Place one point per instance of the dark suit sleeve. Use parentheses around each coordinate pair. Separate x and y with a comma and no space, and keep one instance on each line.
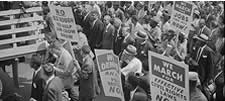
(52,95)
(211,64)
(100,33)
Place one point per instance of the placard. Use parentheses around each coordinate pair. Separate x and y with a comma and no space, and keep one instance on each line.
(64,23)
(181,16)
(168,79)
(110,74)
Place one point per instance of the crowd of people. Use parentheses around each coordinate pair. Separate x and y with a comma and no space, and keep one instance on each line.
(130,29)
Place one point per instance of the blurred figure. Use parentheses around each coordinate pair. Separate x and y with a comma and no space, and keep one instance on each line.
(96,31)
(54,85)
(133,63)
(88,77)
(118,36)
(107,41)
(202,54)
(65,68)
(38,83)
(8,91)
(195,92)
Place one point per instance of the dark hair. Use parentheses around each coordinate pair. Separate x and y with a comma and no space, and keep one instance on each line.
(134,17)
(181,38)
(109,4)
(48,69)
(122,3)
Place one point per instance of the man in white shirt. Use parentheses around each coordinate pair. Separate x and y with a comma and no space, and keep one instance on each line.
(65,68)
(133,63)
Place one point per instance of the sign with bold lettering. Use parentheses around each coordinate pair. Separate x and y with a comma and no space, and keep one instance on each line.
(109,69)
(64,23)
(182,16)
(168,79)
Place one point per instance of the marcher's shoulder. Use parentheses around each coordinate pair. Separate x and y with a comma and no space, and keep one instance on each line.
(136,60)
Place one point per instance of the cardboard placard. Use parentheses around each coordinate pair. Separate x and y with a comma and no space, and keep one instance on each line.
(109,69)
(181,16)
(168,79)
(63,23)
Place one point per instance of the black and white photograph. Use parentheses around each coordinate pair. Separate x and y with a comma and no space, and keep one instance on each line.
(112,50)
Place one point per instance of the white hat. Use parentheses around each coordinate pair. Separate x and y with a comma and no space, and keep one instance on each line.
(201,37)
(193,76)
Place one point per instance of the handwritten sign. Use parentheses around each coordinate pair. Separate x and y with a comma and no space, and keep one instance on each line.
(182,16)
(64,23)
(169,79)
(109,69)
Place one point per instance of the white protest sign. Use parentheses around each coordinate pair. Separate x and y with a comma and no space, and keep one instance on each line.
(168,79)
(64,23)
(109,69)
(181,16)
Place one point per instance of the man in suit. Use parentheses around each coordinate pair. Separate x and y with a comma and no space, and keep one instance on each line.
(37,82)
(118,37)
(85,23)
(202,54)
(88,77)
(107,41)
(96,31)
(54,85)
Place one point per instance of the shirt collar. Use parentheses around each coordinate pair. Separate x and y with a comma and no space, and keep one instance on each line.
(49,79)
(107,26)
(94,22)
(85,57)
(86,15)
(36,71)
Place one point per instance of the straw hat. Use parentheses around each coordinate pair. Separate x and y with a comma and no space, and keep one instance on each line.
(141,35)
(131,50)
(193,76)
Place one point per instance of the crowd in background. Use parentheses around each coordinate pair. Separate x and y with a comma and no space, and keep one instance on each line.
(130,29)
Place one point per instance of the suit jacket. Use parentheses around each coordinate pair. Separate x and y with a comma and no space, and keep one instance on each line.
(37,87)
(85,24)
(95,34)
(53,90)
(107,41)
(118,40)
(206,65)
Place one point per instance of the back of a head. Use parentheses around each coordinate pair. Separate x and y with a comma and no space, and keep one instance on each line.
(35,61)
(86,49)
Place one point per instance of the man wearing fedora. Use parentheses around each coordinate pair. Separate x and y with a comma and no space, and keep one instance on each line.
(133,63)
(202,54)
(195,93)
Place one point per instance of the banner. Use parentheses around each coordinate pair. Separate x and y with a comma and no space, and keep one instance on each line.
(64,23)
(109,70)
(168,79)
(181,17)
